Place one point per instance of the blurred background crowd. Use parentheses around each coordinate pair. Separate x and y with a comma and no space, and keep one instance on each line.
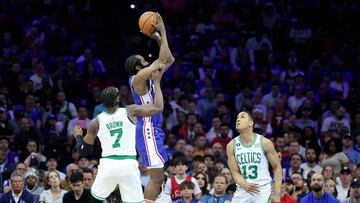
(293,64)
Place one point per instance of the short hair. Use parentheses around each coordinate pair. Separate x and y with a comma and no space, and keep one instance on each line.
(108,96)
(187,185)
(221,175)
(181,160)
(76,177)
(131,63)
(87,170)
(249,113)
(16,174)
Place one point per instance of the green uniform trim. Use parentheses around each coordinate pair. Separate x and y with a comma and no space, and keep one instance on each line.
(250,145)
(120,157)
(97,197)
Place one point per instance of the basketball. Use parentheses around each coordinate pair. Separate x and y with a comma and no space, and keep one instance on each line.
(147,21)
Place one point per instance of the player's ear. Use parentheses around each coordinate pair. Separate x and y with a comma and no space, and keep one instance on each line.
(251,123)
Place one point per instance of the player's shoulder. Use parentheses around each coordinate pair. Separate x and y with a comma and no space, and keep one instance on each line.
(267,143)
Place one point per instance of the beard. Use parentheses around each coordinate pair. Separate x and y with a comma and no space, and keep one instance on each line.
(310,161)
(317,188)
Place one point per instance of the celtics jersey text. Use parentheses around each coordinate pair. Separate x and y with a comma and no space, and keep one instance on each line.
(116,134)
(252,160)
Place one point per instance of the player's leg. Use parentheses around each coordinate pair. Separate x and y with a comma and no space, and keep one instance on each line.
(130,183)
(153,188)
(106,179)
(150,147)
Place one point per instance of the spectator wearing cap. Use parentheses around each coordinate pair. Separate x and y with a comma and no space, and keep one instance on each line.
(260,121)
(347,143)
(83,162)
(32,183)
(311,162)
(354,151)
(51,165)
(305,119)
(17,192)
(343,185)
(354,194)
(318,195)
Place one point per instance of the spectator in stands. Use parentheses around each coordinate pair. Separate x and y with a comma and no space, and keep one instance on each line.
(300,187)
(88,178)
(311,162)
(202,181)
(328,173)
(219,195)
(330,187)
(17,192)
(66,107)
(295,166)
(354,194)
(7,126)
(354,151)
(54,193)
(223,138)
(318,194)
(27,132)
(334,156)
(336,123)
(51,165)
(172,187)
(20,168)
(70,169)
(343,185)
(187,192)
(77,193)
(32,184)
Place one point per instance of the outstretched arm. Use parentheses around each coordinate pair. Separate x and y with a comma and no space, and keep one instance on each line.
(274,160)
(251,188)
(85,144)
(164,61)
(147,110)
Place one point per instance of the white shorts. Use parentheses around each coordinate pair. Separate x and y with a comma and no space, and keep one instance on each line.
(124,173)
(241,196)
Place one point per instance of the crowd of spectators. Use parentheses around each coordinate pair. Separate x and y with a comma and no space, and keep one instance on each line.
(293,64)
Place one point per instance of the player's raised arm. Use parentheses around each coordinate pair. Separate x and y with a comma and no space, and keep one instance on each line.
(252,188)
(85,144)
(146,110)
(273,158)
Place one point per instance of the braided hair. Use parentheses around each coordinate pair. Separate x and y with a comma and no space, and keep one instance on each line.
(131,63)
(108,96)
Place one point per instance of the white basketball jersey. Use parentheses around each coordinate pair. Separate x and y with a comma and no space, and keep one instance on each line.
(116,134)
(252,161)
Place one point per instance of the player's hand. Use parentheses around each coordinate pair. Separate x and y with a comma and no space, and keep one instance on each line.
(160,26)
(155,35)
(251,188)
(77,131)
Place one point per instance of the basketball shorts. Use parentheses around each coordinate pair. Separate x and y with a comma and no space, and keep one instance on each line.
(241,196)
(150,145)
(124,173)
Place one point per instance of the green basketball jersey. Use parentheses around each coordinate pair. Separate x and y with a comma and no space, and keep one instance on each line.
(252,161)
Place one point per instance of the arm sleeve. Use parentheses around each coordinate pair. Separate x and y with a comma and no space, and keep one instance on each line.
(197,189)
(167,189)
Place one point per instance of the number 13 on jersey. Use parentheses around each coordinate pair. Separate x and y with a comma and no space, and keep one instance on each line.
(116,133)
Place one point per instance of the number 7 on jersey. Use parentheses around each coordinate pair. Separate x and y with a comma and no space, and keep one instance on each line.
(118,133)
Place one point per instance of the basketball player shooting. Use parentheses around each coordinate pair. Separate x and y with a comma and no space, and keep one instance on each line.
(149,135)
(249,155)
(116,130)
